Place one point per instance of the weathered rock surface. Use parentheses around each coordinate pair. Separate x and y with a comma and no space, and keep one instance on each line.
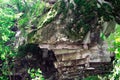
(73,61)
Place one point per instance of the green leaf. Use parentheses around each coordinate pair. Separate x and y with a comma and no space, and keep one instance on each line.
(118,56)
(32,70)
(3,56)
(17,16)
(33,75)
(102,36)
(5,38)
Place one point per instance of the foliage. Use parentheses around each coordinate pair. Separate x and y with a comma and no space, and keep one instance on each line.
(7,17)
(90,16)
(116,9)
(114,47)
(7,20)
(31,10)
(114,41)
(35,74)
(32,13)
(10,12)
(85,16)
(3,78)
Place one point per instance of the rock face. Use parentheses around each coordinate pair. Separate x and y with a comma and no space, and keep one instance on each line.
(72,31)
(73,61)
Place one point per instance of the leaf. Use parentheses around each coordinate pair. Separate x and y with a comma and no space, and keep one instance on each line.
(118,56)
(3,56)
(32,75)
(102,36)
(17,16)
(117,39)
(5,38)
(111,49)
(33,70)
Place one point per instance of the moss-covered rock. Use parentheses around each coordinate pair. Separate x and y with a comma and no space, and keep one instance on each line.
(68,20)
